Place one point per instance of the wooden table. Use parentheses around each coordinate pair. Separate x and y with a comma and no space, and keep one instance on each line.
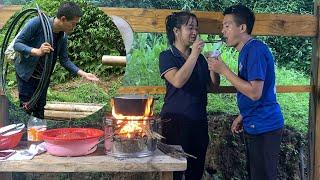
(96,162)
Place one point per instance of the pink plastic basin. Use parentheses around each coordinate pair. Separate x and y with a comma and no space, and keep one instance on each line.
(71,141)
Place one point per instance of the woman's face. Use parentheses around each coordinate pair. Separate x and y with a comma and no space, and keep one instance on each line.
(188,33)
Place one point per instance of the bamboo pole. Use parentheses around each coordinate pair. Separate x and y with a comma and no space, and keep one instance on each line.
(65,115)
(114,60)
(75,107)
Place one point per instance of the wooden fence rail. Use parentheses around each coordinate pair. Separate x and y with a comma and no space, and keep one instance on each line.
(153,20)
(221,89)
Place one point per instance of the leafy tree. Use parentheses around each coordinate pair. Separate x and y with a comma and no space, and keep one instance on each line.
(95,35)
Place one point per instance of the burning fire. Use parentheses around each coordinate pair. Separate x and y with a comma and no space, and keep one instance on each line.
(131,125)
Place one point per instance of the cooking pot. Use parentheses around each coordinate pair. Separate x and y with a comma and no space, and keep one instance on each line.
(133,105)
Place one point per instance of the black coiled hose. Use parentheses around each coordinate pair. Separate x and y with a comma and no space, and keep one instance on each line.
(48,37)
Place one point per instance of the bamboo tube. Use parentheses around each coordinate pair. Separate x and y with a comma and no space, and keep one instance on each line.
(74,107)
(65,115)
(114,60)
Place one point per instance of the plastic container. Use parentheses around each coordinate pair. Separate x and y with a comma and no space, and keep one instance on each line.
(35,127)
(12,138)
(216,52)
(9,142)
(71,141)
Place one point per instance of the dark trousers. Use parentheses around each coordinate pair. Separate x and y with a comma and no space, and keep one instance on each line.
(263,155)
(26,90)
(193,137)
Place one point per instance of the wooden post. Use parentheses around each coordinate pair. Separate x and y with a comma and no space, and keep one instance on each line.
(6,176)
(314,124)
(4,109)
(166,175)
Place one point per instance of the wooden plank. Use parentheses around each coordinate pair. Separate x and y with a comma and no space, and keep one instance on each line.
(285,25)
(142,90)
(222,89)
(314,128)
(294,89)
(96,162)
(153,20)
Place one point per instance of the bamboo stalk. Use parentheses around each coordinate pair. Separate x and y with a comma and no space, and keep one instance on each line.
(114,60)
(75,107)
(65,115)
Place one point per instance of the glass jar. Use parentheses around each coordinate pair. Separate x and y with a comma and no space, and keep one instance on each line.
(35,127)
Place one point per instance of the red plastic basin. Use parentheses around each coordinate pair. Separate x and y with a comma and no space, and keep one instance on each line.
(71,141)
(11,138)
(11,141)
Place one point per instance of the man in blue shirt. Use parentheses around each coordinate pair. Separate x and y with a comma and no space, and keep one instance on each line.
(30,63)
(260,113)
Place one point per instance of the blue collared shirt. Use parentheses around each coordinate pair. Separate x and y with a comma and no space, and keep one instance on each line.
(257,63)
(32,36)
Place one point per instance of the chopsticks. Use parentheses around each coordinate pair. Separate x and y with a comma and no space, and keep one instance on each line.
(13,128)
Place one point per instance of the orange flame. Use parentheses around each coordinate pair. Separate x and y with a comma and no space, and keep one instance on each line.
(134,123)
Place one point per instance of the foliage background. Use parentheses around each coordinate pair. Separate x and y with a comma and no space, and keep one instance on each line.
(291,52)
(94,36)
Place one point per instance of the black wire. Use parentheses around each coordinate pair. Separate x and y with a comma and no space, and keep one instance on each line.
(17,31)
(22,23)
(6,41)
(45,76)
(48,37)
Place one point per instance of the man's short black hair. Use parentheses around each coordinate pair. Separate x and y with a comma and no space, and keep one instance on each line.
(70,10)
(242,15)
